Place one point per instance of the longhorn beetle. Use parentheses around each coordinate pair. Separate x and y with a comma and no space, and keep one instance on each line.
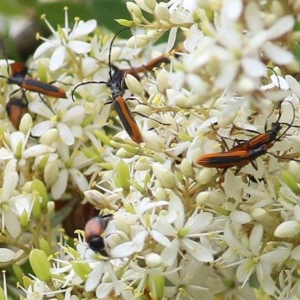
(118,102)
(246,151)
(18,77)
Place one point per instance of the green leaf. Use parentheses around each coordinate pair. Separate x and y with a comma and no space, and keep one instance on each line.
(296,50)
(55,13)
(106,11)
(12,7)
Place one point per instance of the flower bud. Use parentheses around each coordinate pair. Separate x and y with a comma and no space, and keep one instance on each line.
(205,175)
(157,286)
(122,178)
(288,229)
(137,41)
(82,269)
(163,79)
(150,3)
(39,188)
(134,85)
(51,172)
(134,10)
(162,13)
(203,198)
(294,169)
(160,193)
(164,175)
(122,153)
(24,219)
(49,137)
(26,123)
(102,137)
(44,245)
(36,207)
(40,264)
(153,260)
(153,141)
(186,168)
(290,181)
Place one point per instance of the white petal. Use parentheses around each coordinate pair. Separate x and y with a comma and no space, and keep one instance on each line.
(253,67)
(197,250)
(80,47)
(57,58)
(43,48)
(230,238)
(41,128)
(94,277)
(198,222)
(10,182)
(139,241)
(169,254)
(104,289)
(280,82)
(65,134)
(252,16)
(6,154)
(266,281)
(83,28)
(243,271)
(281,27)
(123,250)
(171,39)
(227,75)
(255,238)
(276,256)
(37,150)
(12,224)
(277,54)
(79,179)
(75,114)
(160,238)
(22,203)
(11,166)
(16,138)
(163,226)
(60,185)
(232,9)
(296,253)
(176,207)
(40,108)
(6,255)
(293,84)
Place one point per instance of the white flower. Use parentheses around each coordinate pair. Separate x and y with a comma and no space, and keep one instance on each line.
(69,166)
(233,53)
(65,40)
(252,257)
(8,211)
(188,282)
(185,235)
(66,120)
(142,227)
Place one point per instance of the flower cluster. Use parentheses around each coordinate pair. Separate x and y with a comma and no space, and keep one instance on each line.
(178,230)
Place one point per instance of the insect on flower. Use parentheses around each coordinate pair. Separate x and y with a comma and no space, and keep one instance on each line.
(247,151)
(18,77)
(119,74)
(94,229)
(118,102)
(16,108)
